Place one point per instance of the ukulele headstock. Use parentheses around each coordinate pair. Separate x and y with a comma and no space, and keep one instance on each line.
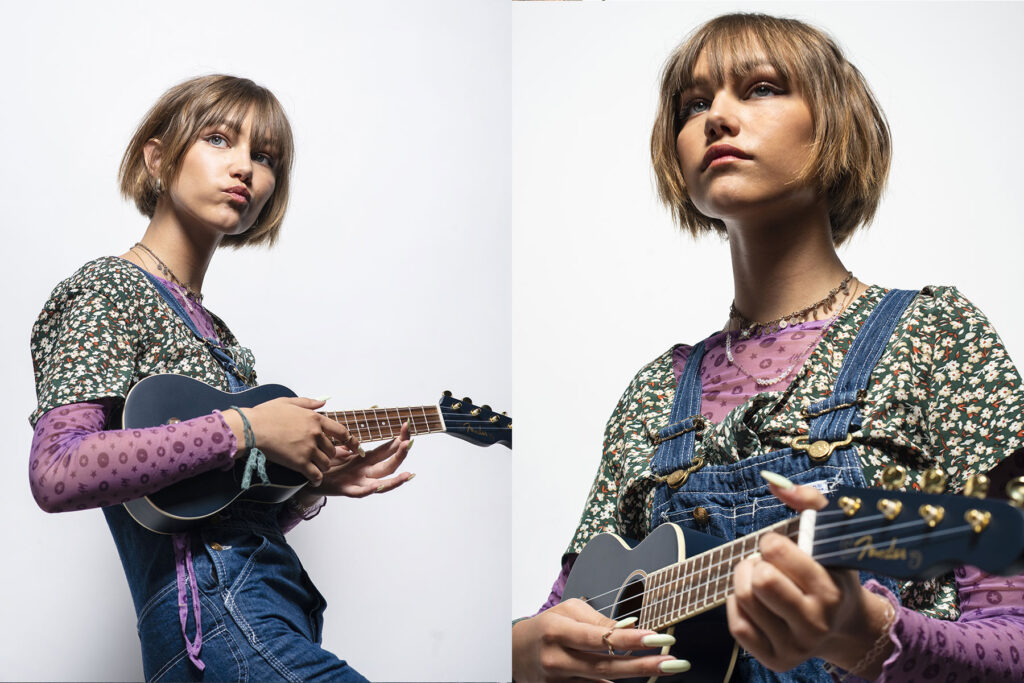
(477,424)
(910,535)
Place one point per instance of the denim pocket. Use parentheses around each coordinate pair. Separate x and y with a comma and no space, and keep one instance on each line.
(233,555)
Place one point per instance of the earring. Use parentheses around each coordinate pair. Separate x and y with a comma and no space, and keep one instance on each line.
(159,186)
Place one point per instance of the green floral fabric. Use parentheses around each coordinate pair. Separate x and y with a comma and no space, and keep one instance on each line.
(106,327)
(945,393)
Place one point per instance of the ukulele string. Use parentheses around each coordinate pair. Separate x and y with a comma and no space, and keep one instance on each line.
(691,588)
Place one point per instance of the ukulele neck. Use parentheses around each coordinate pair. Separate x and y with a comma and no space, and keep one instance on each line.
(381,424)
(697,584)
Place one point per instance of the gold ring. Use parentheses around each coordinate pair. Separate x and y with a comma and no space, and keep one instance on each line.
(607,642)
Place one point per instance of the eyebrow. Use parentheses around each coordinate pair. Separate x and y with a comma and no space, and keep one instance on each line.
(740,69)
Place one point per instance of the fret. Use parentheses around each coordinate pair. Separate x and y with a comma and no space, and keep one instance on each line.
(677,593)
(369,426)
(658,608)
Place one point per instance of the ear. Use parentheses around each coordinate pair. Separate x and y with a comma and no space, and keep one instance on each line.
(151,151)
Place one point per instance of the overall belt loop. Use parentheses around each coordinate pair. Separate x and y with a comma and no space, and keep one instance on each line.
(832,419)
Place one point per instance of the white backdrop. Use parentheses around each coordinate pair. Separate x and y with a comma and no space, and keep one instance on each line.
(390,284)
(603,283)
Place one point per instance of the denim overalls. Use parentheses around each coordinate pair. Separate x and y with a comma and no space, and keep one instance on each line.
(733,500)
(260,616)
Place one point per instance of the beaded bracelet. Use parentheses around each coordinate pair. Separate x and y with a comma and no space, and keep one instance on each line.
(256,460)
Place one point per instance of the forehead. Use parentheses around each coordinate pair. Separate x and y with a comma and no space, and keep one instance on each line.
(732,55)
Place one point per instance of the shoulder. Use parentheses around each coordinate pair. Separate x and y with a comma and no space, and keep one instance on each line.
(114,279)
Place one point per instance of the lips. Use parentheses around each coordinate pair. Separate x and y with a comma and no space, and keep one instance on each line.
(240,193)
(720,151)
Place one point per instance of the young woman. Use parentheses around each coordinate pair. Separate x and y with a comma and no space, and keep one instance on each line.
(209,166)
(767,134)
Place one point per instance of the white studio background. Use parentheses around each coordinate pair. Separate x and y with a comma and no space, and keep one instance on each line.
(389,285)
(603,282)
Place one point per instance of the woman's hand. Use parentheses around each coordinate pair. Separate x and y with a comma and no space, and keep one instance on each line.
(567,642)
(291,434)
(786,608)
(356,475)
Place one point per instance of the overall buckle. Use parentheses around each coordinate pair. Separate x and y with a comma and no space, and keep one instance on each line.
(679,477)
(819,451)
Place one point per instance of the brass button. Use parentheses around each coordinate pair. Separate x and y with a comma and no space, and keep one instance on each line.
(701,516)
(217,546)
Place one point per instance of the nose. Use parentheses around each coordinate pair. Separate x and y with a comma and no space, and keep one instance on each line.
(241,164)
(721,118)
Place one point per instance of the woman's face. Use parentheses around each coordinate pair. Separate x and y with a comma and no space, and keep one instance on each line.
(223,182)
(744,142)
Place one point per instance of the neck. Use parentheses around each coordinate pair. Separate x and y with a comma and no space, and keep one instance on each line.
(781,264)
(187,250)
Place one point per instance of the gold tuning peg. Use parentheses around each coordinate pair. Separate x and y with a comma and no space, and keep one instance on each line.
(1015,490)
(447,393)
(977,486)
(894,477)
(933,480)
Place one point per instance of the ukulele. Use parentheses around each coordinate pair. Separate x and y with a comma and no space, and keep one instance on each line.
(166,399)
(677,580)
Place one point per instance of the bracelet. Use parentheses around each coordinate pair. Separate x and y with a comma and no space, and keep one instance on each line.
(874,650)
(256,461)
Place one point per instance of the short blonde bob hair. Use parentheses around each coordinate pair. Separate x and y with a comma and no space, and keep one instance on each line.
(851,150)
(178,119)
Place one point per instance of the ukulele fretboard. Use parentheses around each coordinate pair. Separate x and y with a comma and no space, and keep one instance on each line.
(380,424)
(695,585)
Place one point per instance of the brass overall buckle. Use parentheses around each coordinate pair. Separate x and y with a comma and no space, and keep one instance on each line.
(679,477)
(819,451)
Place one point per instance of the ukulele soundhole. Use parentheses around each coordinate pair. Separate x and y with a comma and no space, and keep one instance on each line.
(630,598)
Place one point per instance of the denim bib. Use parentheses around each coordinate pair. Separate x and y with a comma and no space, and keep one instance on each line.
(734,500)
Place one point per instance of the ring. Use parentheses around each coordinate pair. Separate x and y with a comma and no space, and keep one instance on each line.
(607,642)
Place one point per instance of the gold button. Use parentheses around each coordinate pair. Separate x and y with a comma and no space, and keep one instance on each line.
(701,516)
(217,546)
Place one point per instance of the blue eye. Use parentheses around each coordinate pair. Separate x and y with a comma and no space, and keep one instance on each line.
(696,106)
(217,140)
(763,90)
(265,159)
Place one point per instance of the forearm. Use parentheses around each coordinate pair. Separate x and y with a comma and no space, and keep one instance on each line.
(982,642)
(75,464)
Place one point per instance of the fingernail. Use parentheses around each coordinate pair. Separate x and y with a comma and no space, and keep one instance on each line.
(659,640)
(411,477)
(674,666)
(409,447)
(756,555)
(777,479)
(626,623)
(361,452)
(380,488)
(325,399)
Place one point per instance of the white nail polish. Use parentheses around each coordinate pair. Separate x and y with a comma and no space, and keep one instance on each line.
(658,640)
(777,479)
(674,666)
(626,623)
(325,399)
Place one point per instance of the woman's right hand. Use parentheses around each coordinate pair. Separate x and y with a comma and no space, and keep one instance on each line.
(292,434)
(566,642)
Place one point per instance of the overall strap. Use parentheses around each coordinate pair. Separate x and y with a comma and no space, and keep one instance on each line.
(676,441)
(833,417)
(235,383)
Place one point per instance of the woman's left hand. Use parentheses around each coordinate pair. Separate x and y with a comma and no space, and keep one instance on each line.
(786,608)
(355,475)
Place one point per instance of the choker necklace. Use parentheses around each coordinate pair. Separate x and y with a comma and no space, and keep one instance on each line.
(783,323)
(750,328)
(169,275)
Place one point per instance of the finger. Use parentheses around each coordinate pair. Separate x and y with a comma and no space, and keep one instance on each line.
(755,623)
(392,483)
(797,497)
(591,665)
(339,432)
(303,402)
(584,628)
(321,457)
(746,632)
(807,577)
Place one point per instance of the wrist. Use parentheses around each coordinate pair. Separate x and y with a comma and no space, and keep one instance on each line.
(863,651)
(233,421)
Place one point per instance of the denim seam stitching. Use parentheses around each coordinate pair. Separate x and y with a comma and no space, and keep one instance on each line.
(170,663)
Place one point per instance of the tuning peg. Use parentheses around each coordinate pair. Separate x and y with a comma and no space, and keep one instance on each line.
(931,514)
(894,477)
(849,505)
(486,408)
(467,399)
(890,509)
(446,393)
(933,480)
(978,519)
(475,412)
(977,486)
(1015,490)
(504,413)
(493,419)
